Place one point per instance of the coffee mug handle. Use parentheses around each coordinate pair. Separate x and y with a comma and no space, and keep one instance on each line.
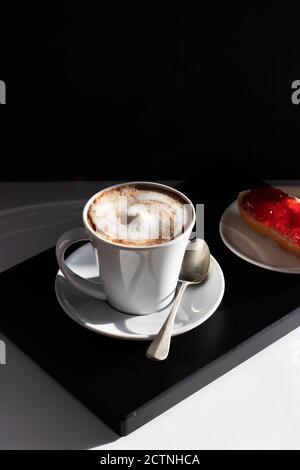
(87,286)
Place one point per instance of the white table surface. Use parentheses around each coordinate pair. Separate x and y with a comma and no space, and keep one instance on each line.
(254,406)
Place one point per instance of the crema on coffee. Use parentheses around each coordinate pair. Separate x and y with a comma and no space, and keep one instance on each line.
(139,215)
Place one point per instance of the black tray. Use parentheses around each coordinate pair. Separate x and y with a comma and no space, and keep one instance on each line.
(113,377)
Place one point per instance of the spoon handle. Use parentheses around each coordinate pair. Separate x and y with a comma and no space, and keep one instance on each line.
(159,348)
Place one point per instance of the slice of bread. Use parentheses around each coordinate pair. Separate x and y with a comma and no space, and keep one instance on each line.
(283,241)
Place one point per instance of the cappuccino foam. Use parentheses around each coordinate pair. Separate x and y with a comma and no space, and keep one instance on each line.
(139,215)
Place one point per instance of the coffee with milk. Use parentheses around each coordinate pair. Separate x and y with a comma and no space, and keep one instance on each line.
(139,215)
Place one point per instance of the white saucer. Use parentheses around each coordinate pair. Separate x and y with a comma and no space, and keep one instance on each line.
(197,305)
(254,247)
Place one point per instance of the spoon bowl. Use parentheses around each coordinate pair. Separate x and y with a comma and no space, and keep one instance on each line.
(196,261)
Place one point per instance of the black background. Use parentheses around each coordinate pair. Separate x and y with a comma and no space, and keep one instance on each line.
(149,92)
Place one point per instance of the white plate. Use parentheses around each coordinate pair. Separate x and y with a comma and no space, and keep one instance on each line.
(254,247)
(197,305)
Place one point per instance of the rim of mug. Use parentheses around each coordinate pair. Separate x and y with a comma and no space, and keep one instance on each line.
(137,247)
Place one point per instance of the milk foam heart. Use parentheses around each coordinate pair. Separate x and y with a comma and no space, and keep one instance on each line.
(139,215)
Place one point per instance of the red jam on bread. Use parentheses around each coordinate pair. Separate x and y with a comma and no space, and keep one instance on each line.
(276,210)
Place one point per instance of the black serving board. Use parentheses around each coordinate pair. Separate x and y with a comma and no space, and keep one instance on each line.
(113,377)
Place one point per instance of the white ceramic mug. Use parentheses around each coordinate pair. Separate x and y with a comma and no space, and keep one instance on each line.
(134,279)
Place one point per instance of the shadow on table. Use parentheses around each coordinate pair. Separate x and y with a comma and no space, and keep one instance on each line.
(37,413)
